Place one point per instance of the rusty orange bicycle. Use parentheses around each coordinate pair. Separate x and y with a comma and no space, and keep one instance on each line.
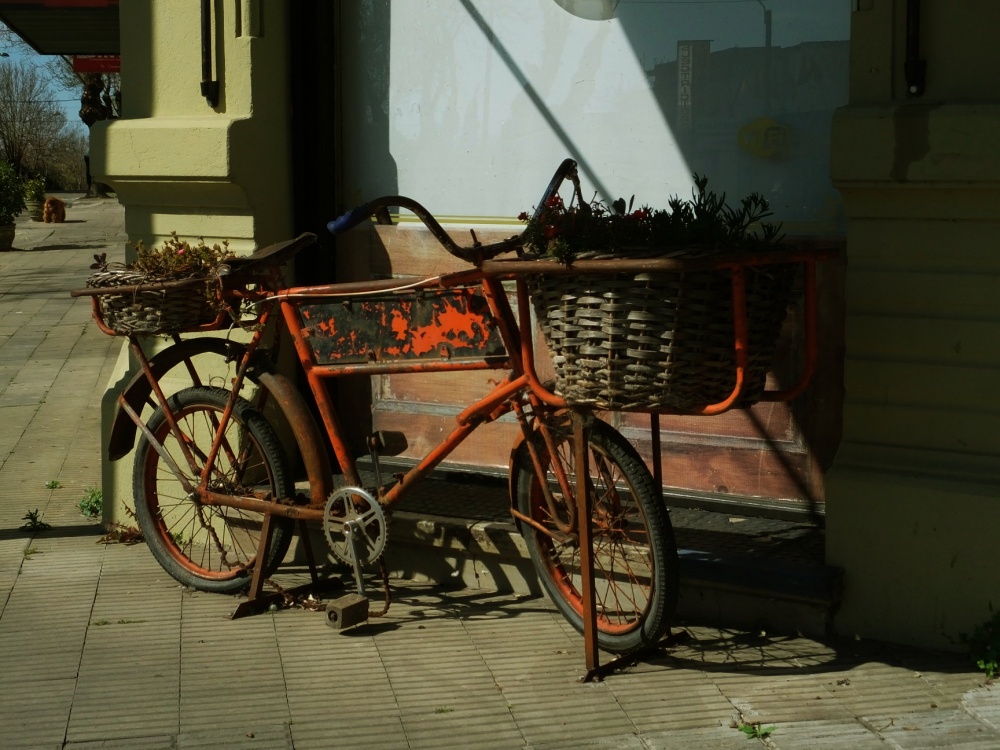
(214,490)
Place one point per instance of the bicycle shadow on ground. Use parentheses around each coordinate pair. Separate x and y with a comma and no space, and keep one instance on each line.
(414,604)
(758,653)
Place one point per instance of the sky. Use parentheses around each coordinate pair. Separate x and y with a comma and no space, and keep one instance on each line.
(67,100)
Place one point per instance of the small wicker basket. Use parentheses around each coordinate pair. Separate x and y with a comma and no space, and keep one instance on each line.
(171,306)
(659,341)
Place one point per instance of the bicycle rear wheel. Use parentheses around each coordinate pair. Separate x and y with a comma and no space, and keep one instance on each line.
(210,548)
(635,557)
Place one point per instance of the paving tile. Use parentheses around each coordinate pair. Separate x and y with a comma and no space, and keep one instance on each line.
(928,730)
(984,705)
(35,714)
(677,704)
(847,734)
(353,731)
(708,738)
(254,735)
(889,689)
(630,741)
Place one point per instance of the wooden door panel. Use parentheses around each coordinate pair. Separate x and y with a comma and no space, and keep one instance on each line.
(487,448)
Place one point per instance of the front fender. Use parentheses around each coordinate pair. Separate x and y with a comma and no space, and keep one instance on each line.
(139,389)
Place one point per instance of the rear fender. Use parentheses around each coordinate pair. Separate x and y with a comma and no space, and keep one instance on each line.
(512,473)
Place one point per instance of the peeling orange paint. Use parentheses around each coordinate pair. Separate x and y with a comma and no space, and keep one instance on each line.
(400,325)
(450,324)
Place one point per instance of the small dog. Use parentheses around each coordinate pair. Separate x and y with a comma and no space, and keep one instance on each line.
(53,211)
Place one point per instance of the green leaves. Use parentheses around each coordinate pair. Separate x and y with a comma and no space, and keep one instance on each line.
(705,220)
(11,194)
(754,730)
(92,503)
(178,259)
(34,189)
(984,646)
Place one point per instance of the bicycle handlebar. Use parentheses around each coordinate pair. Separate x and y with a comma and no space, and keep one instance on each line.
(475,254)
(349,220)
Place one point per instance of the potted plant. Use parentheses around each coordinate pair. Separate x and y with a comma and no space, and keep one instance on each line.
(166,289)
(11,203)
(34,197)
(655,340)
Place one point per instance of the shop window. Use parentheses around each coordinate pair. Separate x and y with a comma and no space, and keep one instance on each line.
(468,105)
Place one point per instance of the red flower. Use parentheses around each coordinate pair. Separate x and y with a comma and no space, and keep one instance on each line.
(523,216)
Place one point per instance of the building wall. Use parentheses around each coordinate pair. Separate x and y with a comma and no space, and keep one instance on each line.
(913,500)
(179,164)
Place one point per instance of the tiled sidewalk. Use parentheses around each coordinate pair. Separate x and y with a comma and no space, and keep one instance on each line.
(100,648)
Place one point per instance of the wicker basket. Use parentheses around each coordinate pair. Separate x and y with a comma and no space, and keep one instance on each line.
(658,341)
(174,307)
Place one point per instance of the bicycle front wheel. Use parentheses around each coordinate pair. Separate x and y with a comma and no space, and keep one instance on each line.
(635,557)
(210,548)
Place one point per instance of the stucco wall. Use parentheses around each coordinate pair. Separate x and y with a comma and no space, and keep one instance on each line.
(913,501)
(179,164)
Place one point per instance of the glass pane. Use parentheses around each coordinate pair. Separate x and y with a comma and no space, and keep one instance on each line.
(469,105)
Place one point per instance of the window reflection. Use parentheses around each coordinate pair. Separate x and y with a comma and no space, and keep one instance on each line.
(468,105)
(749,88)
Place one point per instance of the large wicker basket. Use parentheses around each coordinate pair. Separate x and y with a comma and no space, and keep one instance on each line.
(157,306)
(658,341)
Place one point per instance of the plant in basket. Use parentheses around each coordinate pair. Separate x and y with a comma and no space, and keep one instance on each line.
(705,223)
(166,289)
(663,340)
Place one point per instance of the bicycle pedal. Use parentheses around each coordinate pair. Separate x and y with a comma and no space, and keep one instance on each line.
(347,611)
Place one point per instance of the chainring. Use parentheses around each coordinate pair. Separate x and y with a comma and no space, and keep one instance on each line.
(355,526)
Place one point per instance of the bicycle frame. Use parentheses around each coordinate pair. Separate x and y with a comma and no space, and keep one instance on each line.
(521,387)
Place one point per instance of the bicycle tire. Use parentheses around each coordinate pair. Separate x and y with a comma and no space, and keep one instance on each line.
(635,556)
(211,548)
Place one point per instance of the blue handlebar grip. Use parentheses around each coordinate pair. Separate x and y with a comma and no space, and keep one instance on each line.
(349,220)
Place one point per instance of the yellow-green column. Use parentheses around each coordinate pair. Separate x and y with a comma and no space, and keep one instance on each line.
(913,499)
(220,172)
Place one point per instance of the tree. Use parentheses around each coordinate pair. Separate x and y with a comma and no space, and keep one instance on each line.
(64,162)
(100,99)
(35,135)
(100,93)
(30,122)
